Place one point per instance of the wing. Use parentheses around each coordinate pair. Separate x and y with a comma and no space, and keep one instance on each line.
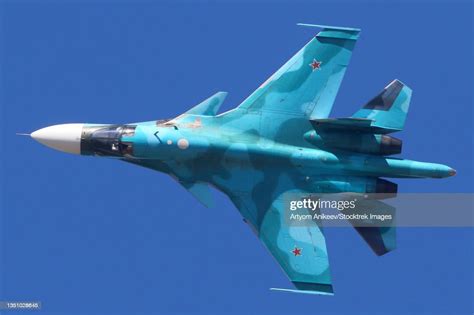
(307,84)
(299,250)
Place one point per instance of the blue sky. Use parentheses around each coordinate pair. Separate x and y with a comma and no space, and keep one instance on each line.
(95,236)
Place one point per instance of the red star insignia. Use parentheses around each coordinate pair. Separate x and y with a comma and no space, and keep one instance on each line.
(315,65)
(296,251)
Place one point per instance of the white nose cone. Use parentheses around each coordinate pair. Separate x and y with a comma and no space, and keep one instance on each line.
(66,137)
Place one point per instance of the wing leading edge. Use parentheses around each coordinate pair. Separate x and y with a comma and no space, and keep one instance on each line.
(300,250)
(307,84)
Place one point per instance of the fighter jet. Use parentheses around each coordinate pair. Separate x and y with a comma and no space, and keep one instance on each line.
(279,140)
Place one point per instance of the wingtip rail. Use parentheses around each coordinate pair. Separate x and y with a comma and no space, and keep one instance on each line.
(328,27)
(338,32)
(302,291)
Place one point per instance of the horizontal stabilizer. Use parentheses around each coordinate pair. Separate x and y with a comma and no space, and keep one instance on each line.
(389,108)
(210,106)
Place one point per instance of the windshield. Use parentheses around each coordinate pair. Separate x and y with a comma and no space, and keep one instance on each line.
(107,140)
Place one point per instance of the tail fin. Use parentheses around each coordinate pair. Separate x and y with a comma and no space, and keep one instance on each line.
(389,108)
(380,239)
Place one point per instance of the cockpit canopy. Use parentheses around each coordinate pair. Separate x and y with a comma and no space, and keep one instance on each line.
(110,140)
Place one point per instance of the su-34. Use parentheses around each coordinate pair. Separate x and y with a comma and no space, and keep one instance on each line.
(279,140)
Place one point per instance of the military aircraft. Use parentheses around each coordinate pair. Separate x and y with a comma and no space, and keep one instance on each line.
(278,140)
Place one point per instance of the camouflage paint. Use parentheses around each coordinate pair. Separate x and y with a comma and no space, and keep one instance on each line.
(263,149)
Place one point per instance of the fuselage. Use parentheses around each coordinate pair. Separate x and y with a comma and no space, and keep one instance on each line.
(208,149)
